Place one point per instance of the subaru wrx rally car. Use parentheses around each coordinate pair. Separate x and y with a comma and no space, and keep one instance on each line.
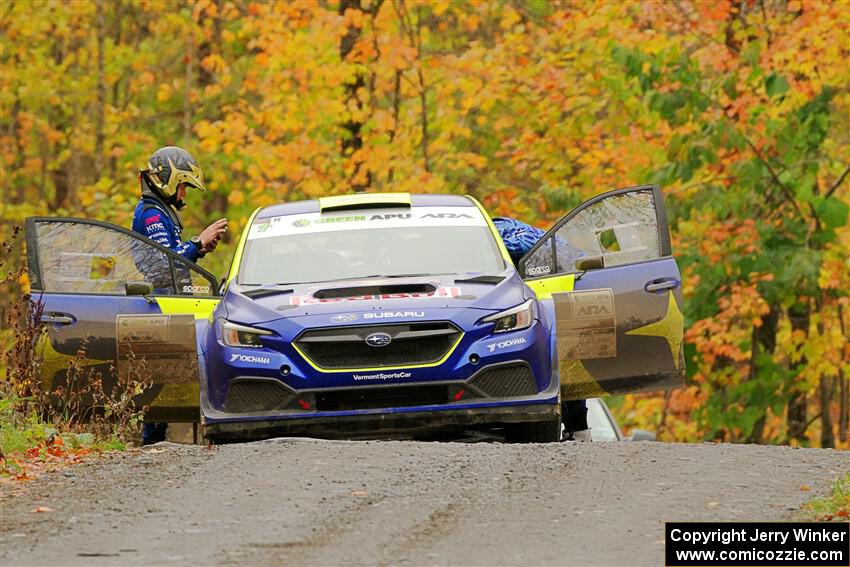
(374,315)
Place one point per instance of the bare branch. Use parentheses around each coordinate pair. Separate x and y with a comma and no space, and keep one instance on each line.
(835,185)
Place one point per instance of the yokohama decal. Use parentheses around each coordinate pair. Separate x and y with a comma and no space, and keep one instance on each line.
(440,293)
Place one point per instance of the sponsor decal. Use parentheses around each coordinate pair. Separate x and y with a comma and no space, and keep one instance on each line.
(366,219)
(593,311)
(382,376)
(250,358)
(344,318)
(538,270)
(155,226)
(440,293)
(393,314)
(587,325)
(505,344)
(154,218)
(378,340)
(447,216)
(204,289)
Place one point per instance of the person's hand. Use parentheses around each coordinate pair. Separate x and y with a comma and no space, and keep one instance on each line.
(210,236)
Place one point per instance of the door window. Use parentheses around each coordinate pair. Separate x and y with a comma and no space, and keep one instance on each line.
(76,256)
(621,227)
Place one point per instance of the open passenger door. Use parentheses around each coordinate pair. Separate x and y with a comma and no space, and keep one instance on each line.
(123,303)
(609,269)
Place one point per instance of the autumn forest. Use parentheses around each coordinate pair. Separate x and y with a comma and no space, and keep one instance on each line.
(739,109)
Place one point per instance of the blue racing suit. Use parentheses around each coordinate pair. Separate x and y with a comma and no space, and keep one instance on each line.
(152,219)
(519,238)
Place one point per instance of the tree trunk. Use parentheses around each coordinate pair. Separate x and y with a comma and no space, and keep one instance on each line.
(843,408)
(827,436)
(100,112)
(352,139)
(187,97)
(396,112)
(797,408)
(423,92)
(764,341)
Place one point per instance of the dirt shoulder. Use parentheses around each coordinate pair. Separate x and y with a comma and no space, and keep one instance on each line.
(332,502)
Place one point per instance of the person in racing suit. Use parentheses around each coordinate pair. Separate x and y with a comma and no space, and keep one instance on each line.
(519,238)
(170,172)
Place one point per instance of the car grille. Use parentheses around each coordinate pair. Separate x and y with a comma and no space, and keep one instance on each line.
(505,381)
(346,347)
(375,398)
(256,395)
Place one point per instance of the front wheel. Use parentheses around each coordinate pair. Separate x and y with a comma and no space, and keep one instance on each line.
(534,432)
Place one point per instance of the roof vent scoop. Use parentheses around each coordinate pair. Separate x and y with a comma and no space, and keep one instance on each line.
(372,290)
(364,201)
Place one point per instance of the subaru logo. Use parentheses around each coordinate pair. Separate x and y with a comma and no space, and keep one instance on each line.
(378,339)
(344,318)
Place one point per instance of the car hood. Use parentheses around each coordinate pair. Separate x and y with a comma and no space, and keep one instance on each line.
(252,305)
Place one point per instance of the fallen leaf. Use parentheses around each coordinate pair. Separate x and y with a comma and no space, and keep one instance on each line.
(805,488)
(359,493)
(40,509)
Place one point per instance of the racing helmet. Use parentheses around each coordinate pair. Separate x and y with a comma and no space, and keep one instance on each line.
(167,168)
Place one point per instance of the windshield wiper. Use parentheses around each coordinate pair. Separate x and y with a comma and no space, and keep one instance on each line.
(410,275)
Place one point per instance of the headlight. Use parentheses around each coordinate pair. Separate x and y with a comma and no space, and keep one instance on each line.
(241,336)
(513,319)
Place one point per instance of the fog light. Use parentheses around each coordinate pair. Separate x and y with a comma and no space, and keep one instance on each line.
(474,358)
(285,370)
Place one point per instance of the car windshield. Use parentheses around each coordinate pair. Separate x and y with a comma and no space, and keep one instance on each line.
(320,248)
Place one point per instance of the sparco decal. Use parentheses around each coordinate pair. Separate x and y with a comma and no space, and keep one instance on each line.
(506,344)
(441,293)
(538,270)
(250,358)
(393,314)
(204,289)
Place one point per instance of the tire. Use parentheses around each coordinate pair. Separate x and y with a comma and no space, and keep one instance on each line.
(534,432)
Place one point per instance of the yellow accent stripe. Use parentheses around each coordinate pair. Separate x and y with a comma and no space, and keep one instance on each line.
(201,308)
(499,242)
(364,200)
(382,368)
(237,256)
(545,287)
(577,383)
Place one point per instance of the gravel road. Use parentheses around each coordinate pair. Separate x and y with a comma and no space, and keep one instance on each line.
(310,502)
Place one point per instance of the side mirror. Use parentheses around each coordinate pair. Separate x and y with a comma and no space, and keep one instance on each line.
(590,263)
(642,435)
(138,288)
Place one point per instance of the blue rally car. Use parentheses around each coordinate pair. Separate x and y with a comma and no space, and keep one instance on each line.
(372,315)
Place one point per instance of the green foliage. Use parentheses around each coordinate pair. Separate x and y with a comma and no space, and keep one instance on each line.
(833,506)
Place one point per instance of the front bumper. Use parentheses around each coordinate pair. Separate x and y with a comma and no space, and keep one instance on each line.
(411,421)
(399,420)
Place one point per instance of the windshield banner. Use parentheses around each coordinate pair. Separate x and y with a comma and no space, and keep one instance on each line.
(364,219)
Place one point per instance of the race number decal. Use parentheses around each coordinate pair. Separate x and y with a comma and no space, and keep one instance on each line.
(587,325)
(161,347)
